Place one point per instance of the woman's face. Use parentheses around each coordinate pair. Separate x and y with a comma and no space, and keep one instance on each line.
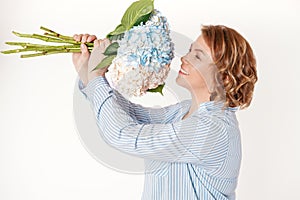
(197,69)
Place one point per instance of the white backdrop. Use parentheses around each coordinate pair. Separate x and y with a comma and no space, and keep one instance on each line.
(41,156)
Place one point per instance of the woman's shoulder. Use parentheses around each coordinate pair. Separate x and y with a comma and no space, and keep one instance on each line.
(183,104)
(216,113)
(186,102)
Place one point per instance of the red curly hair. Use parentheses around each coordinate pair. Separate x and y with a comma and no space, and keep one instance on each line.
(235,63)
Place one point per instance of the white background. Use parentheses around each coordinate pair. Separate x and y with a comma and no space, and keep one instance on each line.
(41,156)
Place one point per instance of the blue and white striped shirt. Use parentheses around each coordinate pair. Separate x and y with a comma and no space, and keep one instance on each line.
(197,158)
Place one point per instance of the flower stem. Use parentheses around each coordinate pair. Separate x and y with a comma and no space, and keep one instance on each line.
(69,46)
(49,52)
(42,48)
(54,34)
(60,36)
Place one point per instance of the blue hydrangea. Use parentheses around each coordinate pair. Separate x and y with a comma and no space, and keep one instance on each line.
(148,45)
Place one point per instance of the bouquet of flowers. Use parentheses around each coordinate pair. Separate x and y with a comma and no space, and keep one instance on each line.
(139,55)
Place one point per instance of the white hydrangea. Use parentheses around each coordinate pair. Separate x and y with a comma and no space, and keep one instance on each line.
(143,57)
(135,81)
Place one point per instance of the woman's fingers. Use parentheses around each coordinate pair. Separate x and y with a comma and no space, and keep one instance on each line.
(106,42)
(97,43)
(91,38)
(83,38)
(77,37)
(101,44)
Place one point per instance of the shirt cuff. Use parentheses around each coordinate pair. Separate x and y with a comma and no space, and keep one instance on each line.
(81,87)
(96,89)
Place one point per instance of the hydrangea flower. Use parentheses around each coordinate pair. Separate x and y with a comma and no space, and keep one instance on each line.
(143,58)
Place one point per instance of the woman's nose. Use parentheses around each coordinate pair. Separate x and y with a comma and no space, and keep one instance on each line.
(183,60)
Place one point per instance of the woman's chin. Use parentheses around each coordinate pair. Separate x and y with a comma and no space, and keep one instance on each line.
(179,81)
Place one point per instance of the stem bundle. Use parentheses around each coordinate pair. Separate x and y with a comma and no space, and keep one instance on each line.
(68,44)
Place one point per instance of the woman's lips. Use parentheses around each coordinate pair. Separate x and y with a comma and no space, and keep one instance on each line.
(182,71)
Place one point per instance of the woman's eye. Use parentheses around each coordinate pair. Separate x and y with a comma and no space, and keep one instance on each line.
(198,57)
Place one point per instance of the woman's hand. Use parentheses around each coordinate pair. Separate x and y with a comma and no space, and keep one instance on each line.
(96,57)
(85,61)
(80,60)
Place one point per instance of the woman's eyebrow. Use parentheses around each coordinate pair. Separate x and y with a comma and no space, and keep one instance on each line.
(200,50)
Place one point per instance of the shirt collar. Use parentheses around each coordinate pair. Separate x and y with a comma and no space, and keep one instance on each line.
(216,105)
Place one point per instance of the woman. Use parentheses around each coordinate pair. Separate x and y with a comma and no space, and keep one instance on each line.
(192,149)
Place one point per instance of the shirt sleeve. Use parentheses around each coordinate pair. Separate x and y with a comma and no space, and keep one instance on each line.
(190,140)
(144,114)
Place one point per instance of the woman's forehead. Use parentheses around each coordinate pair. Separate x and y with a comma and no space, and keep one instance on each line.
(200,45)
(200,42)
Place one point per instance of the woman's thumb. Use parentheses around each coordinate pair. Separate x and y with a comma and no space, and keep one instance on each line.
(84,50)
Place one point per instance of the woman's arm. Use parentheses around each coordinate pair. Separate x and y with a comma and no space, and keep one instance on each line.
(144,114)
(84,62)
(189,140)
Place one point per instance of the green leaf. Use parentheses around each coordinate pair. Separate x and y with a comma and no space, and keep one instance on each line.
(115,37)
(135,11)
(112,49)
(143,19)
(118,30)
(105,62)
(157,89)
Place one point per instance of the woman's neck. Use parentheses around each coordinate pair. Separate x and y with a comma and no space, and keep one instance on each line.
(197,98)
